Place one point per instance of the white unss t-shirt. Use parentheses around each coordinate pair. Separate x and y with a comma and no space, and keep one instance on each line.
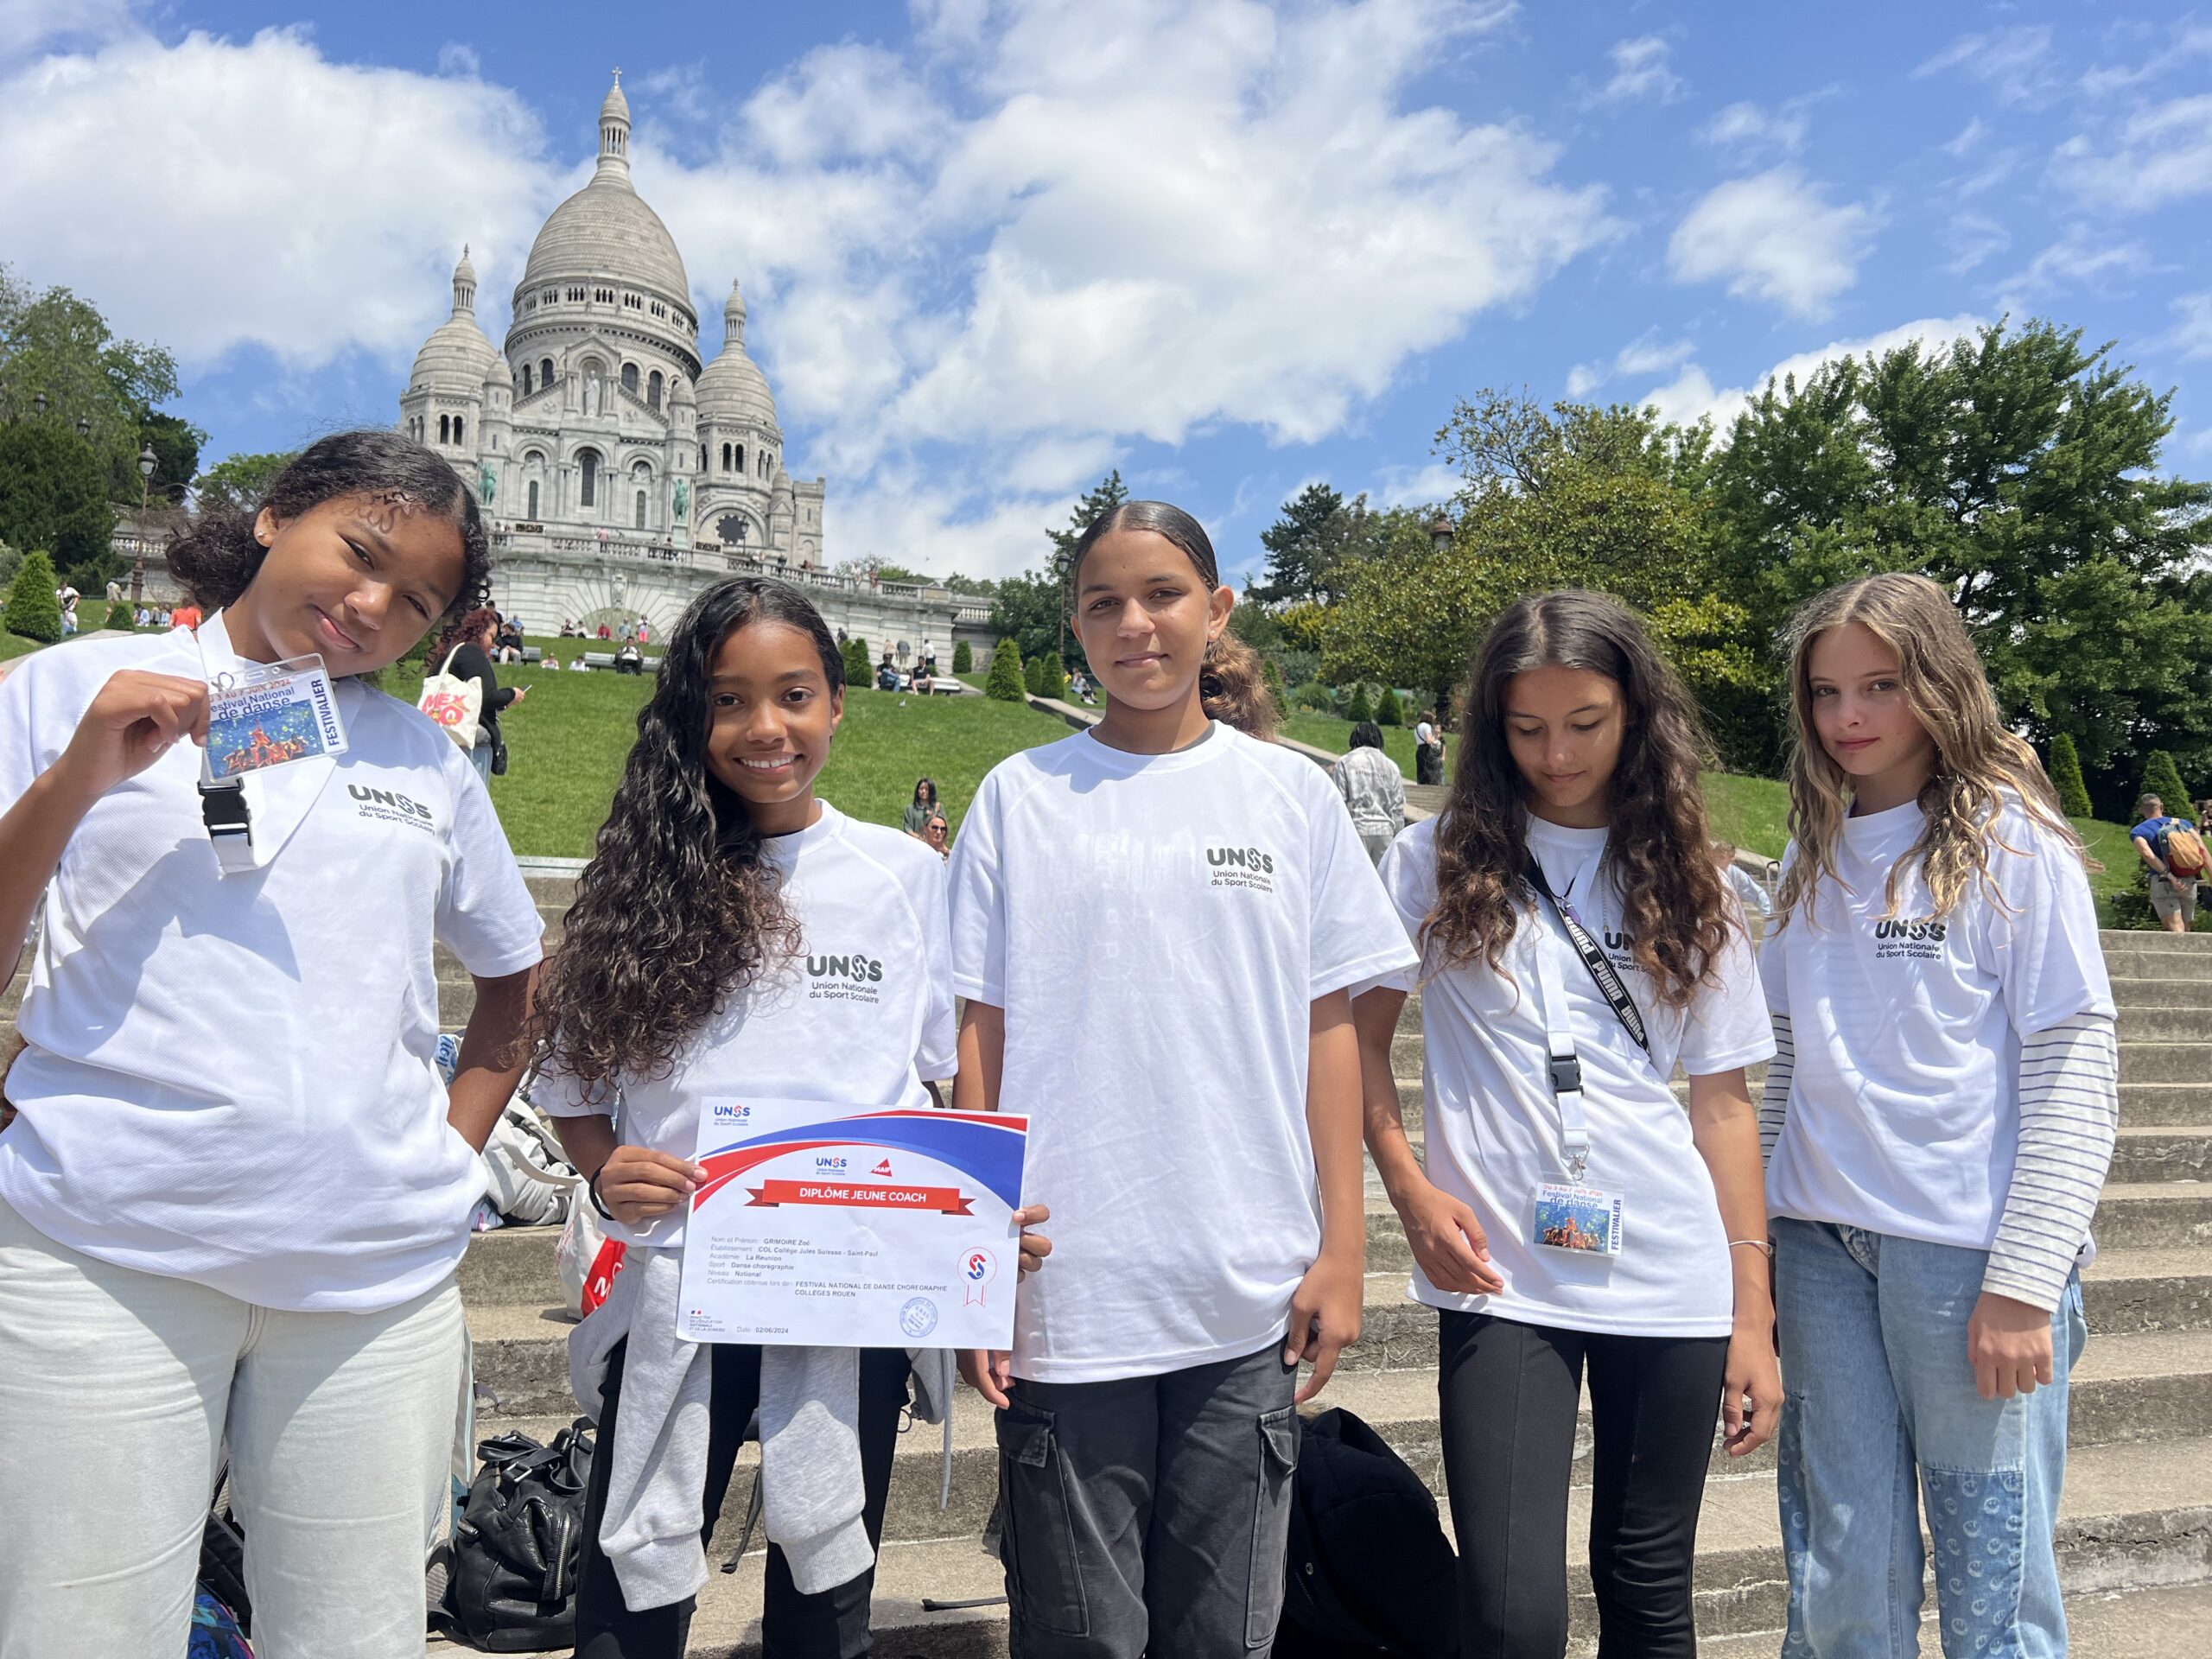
(1157,928)
(1903,1112)
(860,1017)
(232,1079)
(1493,1127)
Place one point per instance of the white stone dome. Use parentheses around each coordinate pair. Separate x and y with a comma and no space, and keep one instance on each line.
(607,230)
(732,389)
(456,357)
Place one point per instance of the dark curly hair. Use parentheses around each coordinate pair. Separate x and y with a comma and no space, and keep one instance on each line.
(1674,902)
(216,558)
(677,908)
(1231,687)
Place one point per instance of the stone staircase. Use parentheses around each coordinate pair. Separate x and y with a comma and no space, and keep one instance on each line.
(2135,1534)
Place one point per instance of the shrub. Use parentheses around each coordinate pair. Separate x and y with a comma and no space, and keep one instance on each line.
(1004,682)
(858,670)
(1271,677)
(2066,778)
(2161,778)
(121,614)
(1315,695)
(1387,711)
(964,660)
(1359,708)
(1052,677)
(33,611)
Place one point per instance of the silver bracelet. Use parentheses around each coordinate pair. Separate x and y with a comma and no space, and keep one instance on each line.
(1766,1244)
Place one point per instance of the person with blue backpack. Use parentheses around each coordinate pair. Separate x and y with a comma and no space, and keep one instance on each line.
(2174,850)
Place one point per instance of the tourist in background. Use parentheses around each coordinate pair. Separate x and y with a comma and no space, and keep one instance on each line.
(628,659)
(2175,863)
(1428,749)
(1576,800)
(1748,888)
(236,1190)
(919,810)
(1374,789)
(466,650)
(936,830)
(1939,1118)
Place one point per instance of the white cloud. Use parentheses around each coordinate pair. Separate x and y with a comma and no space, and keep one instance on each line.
(2077,260)
(1971,238)
(1583,378)
(1692,396)
(459,58)
(1641,70)
(977,271)
(1970,136)
(1646,355)
(2015,64)
(27,23)
(1414,487)
(1751,131)
(1774,237)
(2183,41)
(2192,334)
(275,199)
(2158,154)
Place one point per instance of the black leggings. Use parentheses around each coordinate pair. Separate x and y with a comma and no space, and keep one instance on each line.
(1509,1396)
(830,1624)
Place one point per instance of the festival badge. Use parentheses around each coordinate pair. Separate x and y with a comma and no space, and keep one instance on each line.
(262,715)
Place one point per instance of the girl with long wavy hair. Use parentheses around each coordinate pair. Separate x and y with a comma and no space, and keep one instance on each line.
(695,961)
(1938,1123)
(1573,1221)
(1204,899)
(236,1190)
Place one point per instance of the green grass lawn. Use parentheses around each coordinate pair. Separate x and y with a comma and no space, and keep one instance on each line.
(568,740)
(16,645)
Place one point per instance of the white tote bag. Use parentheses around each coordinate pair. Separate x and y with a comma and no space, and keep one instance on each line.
(454,702)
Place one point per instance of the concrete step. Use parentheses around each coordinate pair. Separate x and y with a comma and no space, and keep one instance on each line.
(2133,1518)
(2161,1154)
(2160,991)
(2154,1215)
(2166,1025)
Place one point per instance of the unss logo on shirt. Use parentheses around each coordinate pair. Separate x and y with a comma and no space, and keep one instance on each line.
(1251,868)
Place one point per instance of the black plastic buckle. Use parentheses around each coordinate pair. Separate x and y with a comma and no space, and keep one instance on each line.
(1567,1074)
(223,810)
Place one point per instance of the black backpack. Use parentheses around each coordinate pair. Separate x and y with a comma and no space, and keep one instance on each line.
(1370,1572)
(519,1546)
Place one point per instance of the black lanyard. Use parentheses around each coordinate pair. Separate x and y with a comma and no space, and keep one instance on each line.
(1594,958)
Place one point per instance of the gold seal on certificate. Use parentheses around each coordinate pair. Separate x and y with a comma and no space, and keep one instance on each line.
(823,1226)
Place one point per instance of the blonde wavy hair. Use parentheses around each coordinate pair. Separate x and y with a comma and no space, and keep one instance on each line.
(1980,768)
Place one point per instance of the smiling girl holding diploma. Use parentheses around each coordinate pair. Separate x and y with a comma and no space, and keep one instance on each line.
(1156,923)
(1940,1122)
(1573,1220)
(235,1193)
(692,966)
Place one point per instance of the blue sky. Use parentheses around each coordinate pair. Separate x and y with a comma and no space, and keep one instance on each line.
(991,247)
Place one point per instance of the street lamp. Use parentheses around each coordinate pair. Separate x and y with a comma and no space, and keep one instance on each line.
(1440,533)
(138,558)
(84,427)
(38,402)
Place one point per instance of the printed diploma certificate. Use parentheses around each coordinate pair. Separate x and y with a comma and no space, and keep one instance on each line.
(821,1226)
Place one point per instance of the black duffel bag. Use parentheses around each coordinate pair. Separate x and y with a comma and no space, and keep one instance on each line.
(1370,1573)
(519,1545)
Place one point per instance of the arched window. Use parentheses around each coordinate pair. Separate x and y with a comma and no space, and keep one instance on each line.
(641,510)
(533,500)
(630,379)
(525,379)
(653,390)
(456,428)
(445,428)
(724,457)
(740,457)
(545,373)
(587,471)
(703,457)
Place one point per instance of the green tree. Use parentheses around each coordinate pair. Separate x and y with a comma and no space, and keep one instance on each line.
(53,495)
(858,670)
(1004,681)
(57,345)
(1271,677)
(121,615)
(176,444)
(2161,778)
(2020,469)
(1032,676)
(33,611)
(1317,696)
(1387,710)
(963,660)
(1052,677)
(239,481)
(1359,708)
(2066,776)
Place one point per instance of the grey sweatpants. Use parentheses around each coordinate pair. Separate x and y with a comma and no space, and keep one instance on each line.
(1149,1515)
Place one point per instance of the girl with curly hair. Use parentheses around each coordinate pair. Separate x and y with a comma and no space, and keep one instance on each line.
(693,962)
(1573,1221)
(235,1193)
(1205,897)
(1938,1123)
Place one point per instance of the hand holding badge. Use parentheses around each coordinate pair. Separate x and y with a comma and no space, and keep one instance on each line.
(262,715)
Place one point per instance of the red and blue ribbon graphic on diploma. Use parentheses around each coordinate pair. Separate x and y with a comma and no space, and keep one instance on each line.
(984,1146)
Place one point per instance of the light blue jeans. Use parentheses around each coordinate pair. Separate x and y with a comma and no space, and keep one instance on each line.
(481,757)
(1879,1400)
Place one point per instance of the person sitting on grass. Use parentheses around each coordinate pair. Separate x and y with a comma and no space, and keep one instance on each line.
(919,809)
(938,832)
